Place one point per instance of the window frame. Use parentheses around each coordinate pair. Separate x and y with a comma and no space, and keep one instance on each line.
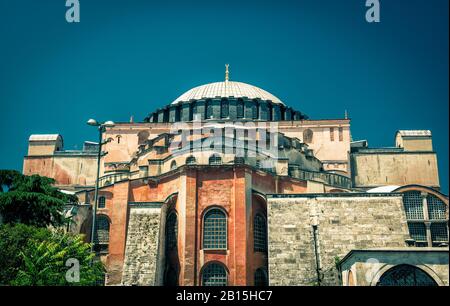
(208,265)
(205,213)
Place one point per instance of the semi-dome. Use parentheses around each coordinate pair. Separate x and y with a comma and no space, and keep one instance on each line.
(226,89)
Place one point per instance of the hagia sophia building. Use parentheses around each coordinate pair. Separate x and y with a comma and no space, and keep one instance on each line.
(228,185)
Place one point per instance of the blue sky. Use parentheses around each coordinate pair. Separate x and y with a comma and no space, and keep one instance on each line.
(130,57)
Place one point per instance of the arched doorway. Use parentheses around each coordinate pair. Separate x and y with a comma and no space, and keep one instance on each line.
(406,275)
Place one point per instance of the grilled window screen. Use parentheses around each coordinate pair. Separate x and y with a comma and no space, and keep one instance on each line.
(436,208)
(215,230)
(214,275)
(260,234)
(413,205)
(101,202)
(417,231)
(102,232)
(439,232)
(215,160)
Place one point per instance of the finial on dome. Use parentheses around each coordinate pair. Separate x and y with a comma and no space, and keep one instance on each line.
(227,73)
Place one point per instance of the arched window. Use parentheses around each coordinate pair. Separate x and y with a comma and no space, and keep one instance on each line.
(215,230)
(214,274)
(260,233)
(191,160)
(261,278)
(225,109)
(101,237)
(215,160)
(173,165)
(308,136)
(171,231)
(101,202)
(406,275)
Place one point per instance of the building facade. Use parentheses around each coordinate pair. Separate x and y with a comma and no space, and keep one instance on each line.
(227,185)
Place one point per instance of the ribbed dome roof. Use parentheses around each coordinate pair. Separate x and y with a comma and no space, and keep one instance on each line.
(226,89)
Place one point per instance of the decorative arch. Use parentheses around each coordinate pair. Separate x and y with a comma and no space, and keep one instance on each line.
(424,269)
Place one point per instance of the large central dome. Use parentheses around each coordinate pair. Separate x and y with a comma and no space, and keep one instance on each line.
(226,89)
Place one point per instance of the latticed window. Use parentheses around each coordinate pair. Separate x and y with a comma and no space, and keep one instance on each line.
(406,275)
(417,231)
(215,160)
(436,208)
(439,232)
(260,233)
(260,277)
(413,205)
(102,232)
(101,202)
(171,231)
(215,230)
(191,160)
(214,275)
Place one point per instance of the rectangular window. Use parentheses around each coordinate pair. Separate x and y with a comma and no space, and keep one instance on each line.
(417,231)
(331,134)
(341,134)
(439,232)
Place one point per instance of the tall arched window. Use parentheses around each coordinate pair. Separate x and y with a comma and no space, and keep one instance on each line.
(215,230)
(406,275)
(308,136)
(214,274)
(101,202)
(260,277)
(191,160)
(171,231)
(101,237)
(215,160)
(173,165)
(260,233)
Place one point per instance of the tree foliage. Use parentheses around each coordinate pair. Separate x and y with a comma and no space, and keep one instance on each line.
(31,200)
(38,257)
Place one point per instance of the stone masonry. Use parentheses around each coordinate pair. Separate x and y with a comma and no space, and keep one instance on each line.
(343,223)
(143,255)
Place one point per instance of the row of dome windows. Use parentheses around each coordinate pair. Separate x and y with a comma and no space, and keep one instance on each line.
(225,109)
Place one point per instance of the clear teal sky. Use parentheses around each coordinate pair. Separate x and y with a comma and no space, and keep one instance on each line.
(130,57)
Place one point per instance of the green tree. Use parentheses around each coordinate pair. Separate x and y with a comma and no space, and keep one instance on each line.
(31,200)
(38,257)
(13,240)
